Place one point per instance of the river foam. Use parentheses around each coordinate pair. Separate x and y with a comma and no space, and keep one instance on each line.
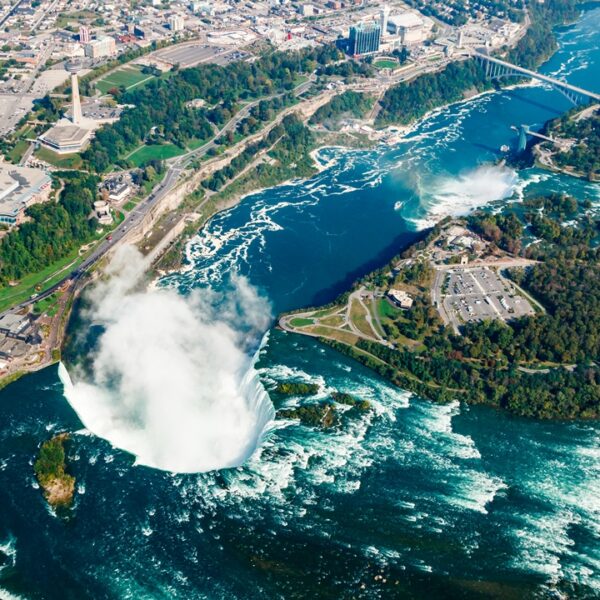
(172,380)
(457,195)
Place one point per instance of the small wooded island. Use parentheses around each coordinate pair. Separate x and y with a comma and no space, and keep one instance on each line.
(50,471)
(324,413)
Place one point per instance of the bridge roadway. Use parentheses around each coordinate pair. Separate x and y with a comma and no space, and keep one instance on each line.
(549,80)
(135,217)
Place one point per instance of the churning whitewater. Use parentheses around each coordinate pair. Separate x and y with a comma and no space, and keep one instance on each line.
(409,499)
(172,379)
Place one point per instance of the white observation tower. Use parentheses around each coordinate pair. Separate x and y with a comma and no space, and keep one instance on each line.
(74,68)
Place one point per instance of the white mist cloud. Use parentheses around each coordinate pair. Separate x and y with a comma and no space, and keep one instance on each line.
(172,382)
(458,195)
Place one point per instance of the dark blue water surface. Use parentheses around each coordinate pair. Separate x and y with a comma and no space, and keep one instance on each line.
(409,500)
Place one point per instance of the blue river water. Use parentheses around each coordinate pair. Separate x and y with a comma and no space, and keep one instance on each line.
(411,500)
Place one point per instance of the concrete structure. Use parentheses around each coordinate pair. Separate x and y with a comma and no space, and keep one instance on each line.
(73,68)
(102,210)
(21,187)
(118,194)
(400,298)
(14,323)
(104,46)
(65,138)
(385,15)
(365,38)
(496,68)
(85,35)
(410,27)
(176,23)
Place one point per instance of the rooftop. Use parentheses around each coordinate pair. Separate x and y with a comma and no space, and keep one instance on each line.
(18,186)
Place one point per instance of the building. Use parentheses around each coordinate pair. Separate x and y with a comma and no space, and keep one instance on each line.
(102,210)
(20,187)
(365,38)
(14,324)
(104,46)
(400,298)
(176,23)
(385,15)
(66,138)
(410,27)
(307,10)
(119,193)
(85,35)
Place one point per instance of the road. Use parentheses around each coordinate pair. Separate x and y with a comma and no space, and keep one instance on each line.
(176,167)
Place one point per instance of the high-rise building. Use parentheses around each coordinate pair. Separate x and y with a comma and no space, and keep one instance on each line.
(105,46)
(385,14)
(365,38)
(176,23)
(85,35)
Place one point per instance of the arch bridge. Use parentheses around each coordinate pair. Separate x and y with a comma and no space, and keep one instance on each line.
(496,68)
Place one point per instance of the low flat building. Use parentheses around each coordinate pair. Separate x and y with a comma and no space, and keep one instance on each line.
(119,193)
(14,323)
(410,27)
(66,138)
(21,187)
(400,298)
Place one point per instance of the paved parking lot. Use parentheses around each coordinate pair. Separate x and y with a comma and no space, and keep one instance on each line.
(189,56)
(474,294)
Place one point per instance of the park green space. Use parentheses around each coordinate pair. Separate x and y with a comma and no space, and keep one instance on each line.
(386,64)
(62,161)
(37,282)
(301,322)
(48,306)
(78,16)
(154,152)
(128,77)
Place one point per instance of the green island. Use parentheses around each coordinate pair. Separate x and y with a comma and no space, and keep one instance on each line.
(296,388)
(502,309)
(325,413)
(50,471)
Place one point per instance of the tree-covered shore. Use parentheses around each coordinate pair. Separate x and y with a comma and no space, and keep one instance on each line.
(408,101)
(542,366)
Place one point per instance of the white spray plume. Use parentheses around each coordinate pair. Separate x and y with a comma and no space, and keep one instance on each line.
(459,195)
(172,382)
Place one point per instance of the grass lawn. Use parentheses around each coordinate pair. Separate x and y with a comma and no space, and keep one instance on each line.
(17,152)
(301,322)
(359,318)
(333,321)
(156,151)
(47,305)
(37,282)
(129,77)
(386,64)
(129,205)
(386,310)
(62,161)
(345,337)
(196,143)
(77,16)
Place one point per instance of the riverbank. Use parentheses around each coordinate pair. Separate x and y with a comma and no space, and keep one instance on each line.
(447,319)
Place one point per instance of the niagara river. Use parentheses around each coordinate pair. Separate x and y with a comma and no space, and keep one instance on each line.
(187,487)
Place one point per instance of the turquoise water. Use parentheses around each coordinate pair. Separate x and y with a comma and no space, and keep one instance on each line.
(411,500)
